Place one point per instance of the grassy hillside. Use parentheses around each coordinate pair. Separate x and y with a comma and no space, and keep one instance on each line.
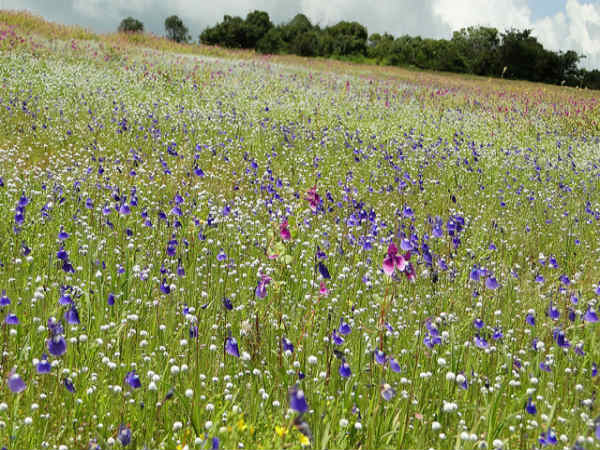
(205,248)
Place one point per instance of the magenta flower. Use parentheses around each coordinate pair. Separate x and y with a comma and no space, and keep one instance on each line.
(284,231)
(394,261)
(313,198)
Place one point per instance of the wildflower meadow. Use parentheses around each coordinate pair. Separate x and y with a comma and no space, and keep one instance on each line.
(209,249)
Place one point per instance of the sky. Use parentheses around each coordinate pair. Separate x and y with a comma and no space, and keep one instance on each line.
(558,24)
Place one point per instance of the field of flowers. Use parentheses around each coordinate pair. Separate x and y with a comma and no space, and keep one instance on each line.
(208,249)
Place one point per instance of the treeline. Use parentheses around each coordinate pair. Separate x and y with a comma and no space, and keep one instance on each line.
(514,54)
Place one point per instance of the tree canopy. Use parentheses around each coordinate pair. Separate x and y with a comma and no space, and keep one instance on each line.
(176,30)
(131,25)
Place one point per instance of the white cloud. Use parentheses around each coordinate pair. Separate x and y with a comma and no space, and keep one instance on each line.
(576,28)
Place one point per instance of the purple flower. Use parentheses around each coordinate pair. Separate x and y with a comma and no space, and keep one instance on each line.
(478,323)
(287,345)
(124,435)
(215,443)
(530,407)
(395,366)
(491,283)
(261,288)
(133,380)
(548,438)
(552,312)
(57,345)
(11,319)
(62,234)
(480,341)
(44,366)
(594,370)
(69,385)
(297,400)
(111,299)
(336,338)
(323,271)
(231,347)
(387,392)
(590,316)
(16,383)
(4,300)
(221,256)
(530,319)
(72,316)
(227,304)
(344,328)
(380,357)
(193,331)
(344,369)
(164,287)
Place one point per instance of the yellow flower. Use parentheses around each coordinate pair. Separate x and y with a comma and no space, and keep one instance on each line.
(304,441)
(281,431)
(241,425)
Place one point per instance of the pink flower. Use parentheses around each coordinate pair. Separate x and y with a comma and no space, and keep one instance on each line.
(313,198)
(323,289)
(284,231)
(394,261)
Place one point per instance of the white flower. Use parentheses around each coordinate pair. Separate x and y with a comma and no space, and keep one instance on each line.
(177,426)
(436,426)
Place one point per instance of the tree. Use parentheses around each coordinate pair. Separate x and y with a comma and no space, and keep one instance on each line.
(478,48)
(271,42)
(176,30)
(131,25)
(258,25)
(350,38)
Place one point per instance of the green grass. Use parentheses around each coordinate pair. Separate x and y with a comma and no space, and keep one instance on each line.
(518,161)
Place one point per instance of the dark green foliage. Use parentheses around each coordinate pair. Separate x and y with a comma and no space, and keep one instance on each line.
(235,32)
(176,30)
(348,38)
(475,50)
(131,25)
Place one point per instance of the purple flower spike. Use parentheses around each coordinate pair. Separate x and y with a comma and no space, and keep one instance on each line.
(111,299)
(297,400)
(231,347)
(16,383)
(530,407)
